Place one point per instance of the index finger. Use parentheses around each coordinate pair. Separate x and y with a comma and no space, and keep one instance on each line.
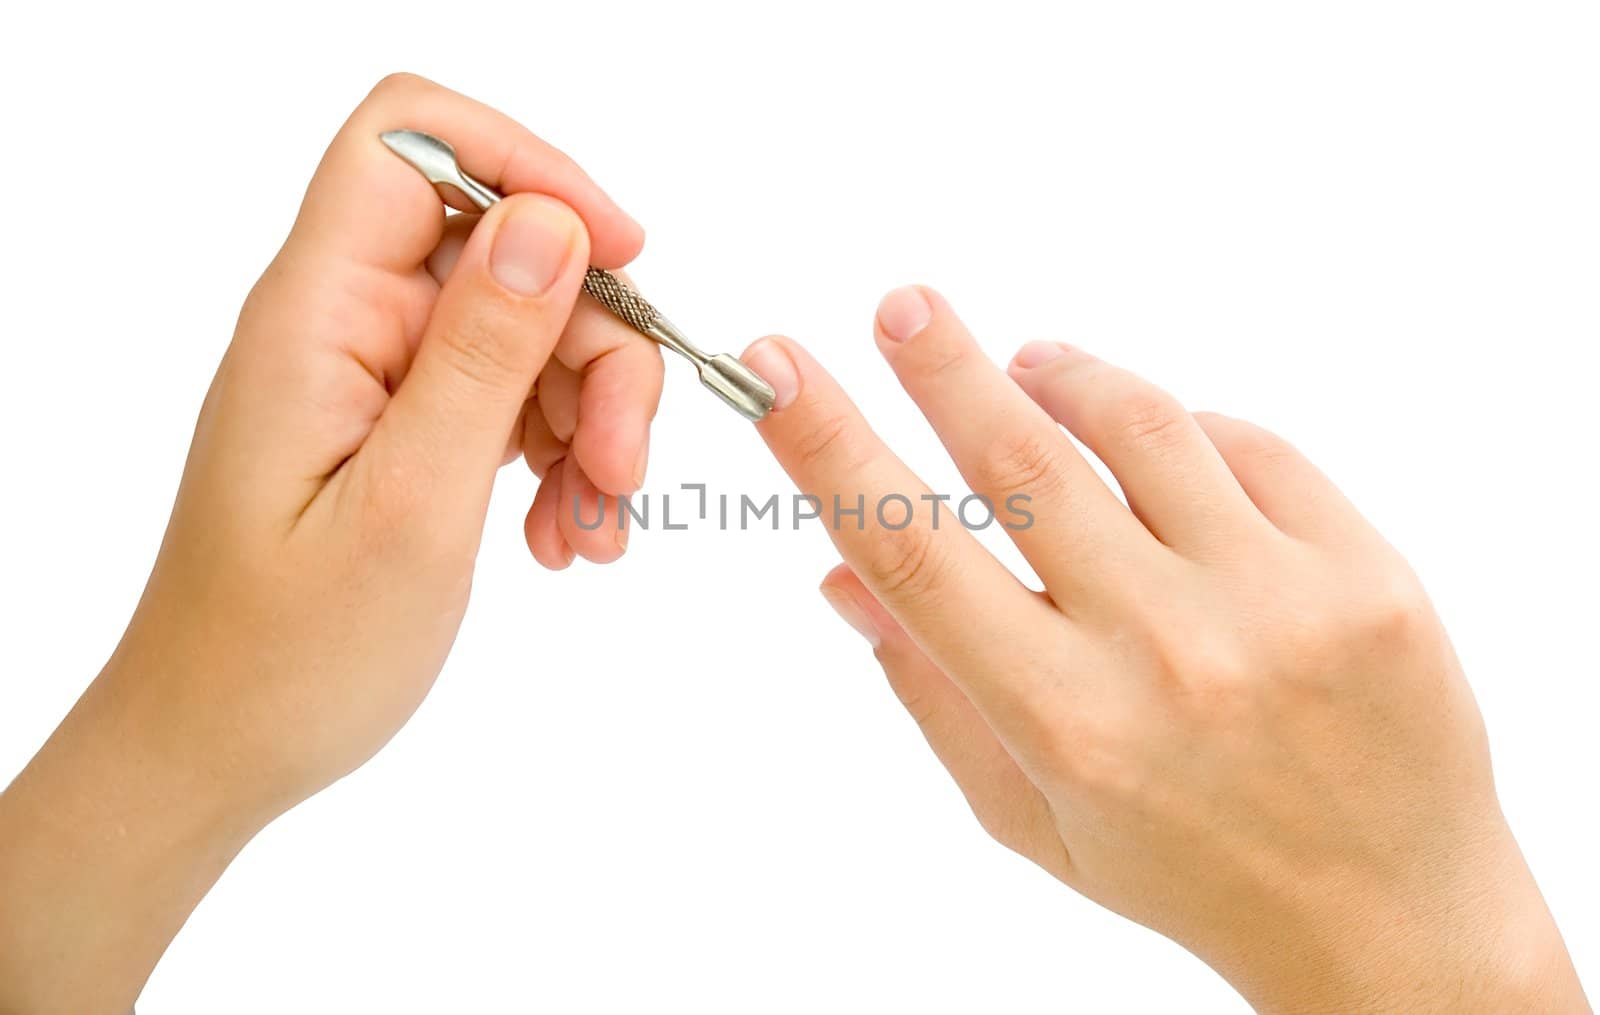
(962,606)
(617,399)
(367,204)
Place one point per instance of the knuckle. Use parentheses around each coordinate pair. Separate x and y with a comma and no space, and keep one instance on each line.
(937,359)
(825,444)
(1396,613)
(1307,636)
(1146,420)
(1098,762)
(1000,823)
(480,352)
(1018,461)
(1261,449)
(906,564)
(1214,683)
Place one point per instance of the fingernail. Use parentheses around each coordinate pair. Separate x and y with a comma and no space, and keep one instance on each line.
(532,246)
(776,368)
(846,607)
(903,313)
(644,458)
(1035,353)
(622,535)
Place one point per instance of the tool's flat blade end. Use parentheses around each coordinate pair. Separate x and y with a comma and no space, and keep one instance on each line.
(742,388)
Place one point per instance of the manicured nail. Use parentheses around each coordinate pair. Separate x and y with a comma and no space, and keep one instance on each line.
(903,313)
(531,246)
(1035,353)
(851,612)
(769,360)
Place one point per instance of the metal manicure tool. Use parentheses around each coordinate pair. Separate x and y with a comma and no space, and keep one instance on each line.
(732,381)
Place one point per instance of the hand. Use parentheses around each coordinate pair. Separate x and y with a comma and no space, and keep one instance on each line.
(1231,715)
(320,552)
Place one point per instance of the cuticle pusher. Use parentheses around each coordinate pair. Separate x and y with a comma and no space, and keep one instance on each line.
(732,381)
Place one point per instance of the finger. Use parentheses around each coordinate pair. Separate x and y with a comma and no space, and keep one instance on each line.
(541,528)
(442,259)
(620,392)
(513,449)
(1173,477)
(1290,491)
(1008,806)
(558,389)
(366,204)
(541,449)
(1075,533)
(543,452)
(492,329)
(601,391)
(961,606)
(594,527)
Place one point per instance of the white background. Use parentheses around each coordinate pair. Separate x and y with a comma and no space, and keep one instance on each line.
(679,783)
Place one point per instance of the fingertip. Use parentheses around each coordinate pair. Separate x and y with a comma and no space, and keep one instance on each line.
(904,313)
(536,241)
(540,529)
(617,238)
(1036,354)
(561,560)
(858,607)
(442,261)
(592,522)
(771,358)
(850,610)
(839,577)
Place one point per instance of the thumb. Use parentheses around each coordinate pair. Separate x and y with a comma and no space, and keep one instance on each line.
(495,322)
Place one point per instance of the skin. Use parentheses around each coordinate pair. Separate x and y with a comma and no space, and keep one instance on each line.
(1230,715)
(321,548)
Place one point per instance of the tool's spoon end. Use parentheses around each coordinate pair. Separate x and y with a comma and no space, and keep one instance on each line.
(430,156)
(436,161)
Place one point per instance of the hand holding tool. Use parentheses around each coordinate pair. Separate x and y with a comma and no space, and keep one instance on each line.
(732,381)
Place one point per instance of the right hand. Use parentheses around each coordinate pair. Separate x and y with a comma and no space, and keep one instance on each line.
(322,545)
(1231,715)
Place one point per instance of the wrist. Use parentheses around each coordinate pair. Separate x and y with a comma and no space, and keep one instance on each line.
(1480,941)
(196,764)
(108,839)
